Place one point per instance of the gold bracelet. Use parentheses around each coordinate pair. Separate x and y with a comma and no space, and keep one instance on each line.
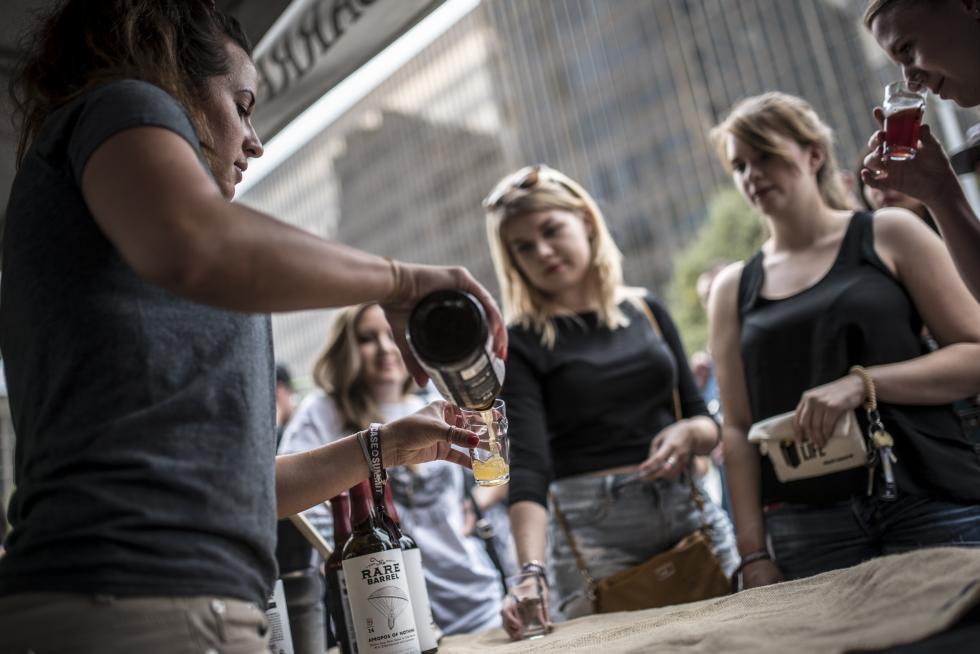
(871,403)
(396,281)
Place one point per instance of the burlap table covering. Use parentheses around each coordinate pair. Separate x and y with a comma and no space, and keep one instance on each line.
(889,601)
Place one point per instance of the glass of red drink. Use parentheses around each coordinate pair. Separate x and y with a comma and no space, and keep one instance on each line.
(904,105)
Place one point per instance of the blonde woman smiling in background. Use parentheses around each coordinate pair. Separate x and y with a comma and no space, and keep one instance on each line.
(361,379)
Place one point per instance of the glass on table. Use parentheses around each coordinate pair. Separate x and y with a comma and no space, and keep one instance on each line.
(528,591)
(491,457)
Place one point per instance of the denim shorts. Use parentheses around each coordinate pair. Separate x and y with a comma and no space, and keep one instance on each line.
(807,540)
(619,522)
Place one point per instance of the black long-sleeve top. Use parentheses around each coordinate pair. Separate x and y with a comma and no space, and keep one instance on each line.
(594,401)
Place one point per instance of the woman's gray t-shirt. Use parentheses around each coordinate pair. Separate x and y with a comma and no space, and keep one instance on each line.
(145,436)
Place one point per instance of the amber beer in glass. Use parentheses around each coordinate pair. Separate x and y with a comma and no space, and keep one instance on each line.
(491,456)
(904,106)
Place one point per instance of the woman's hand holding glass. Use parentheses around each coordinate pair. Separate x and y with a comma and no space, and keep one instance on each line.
(426,435)
(415,281)
(926,177)
(526,612)
(821,407)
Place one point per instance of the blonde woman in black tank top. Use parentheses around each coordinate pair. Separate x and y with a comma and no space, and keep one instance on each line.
(831,289)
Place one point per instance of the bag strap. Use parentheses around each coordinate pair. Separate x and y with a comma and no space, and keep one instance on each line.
(485,533)
(678,416)
(579,559)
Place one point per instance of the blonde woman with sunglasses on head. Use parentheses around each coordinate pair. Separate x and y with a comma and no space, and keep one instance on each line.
(589,392)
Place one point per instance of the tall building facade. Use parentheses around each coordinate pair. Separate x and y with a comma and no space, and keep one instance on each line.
(401,174)
(618,94)
(622,95)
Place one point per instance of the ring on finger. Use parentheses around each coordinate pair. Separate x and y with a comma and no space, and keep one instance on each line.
(449,433)
(671,461)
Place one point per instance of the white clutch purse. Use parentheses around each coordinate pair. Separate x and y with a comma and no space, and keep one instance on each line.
(792,460)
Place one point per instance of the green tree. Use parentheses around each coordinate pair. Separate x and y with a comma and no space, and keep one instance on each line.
(732,232)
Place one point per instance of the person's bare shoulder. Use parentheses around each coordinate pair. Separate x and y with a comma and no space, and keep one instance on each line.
(725,287)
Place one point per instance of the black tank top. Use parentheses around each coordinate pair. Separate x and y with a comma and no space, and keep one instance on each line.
(857,314)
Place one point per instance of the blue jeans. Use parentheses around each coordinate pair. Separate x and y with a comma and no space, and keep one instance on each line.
(807,540)
(618,525)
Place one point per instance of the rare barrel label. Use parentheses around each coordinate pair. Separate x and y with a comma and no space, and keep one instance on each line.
(420,599)
(380,603)
(345,606)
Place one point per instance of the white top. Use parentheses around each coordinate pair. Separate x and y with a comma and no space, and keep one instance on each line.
(464,587)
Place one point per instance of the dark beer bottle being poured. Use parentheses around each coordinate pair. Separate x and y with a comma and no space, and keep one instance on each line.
(450,337)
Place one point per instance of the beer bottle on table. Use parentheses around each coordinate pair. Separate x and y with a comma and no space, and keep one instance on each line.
(428,631)
(336,584)
(377,585)
(449,335)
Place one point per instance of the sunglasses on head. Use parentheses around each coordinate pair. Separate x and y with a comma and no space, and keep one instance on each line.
(526,178)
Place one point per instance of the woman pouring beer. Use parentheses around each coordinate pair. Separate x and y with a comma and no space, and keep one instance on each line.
(137,344)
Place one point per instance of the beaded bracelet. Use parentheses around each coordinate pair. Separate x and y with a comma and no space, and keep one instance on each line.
(871,397)
(752,557)
(537,568)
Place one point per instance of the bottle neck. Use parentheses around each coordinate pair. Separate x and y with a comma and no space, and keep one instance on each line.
(390,505)
(406,541)
(384,509)
(340,508)
(361,507)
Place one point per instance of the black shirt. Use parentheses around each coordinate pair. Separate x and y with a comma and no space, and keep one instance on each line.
(594,401)
(145,426)
(857,314)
